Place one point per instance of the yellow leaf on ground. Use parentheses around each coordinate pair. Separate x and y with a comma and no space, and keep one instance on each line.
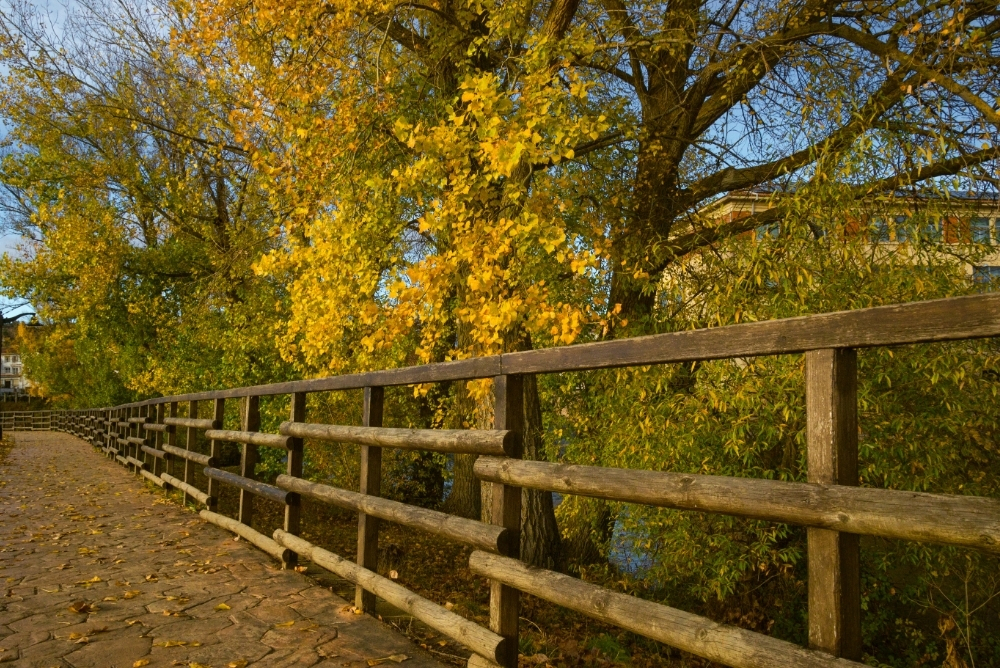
(131,594)
(222,606)
(284,625)
(140,663)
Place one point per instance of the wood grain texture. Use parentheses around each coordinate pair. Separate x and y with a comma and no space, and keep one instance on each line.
(453,441)
(253,537)
(834,558)
(250,423)
(254,486)
(460,629)
(698,635)
(459,529)
(195,457)
(505,605)
(970,521)
(159,454)
(192,423)
(369,484)
(293,468)
(190,490)
(952,319)
(250,438)
(153,478)
(162,428)
(938,320)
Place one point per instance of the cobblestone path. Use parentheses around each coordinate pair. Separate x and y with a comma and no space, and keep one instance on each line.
(97,570)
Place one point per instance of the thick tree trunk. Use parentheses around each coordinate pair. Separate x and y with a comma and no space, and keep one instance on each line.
(540,541)
(464,499)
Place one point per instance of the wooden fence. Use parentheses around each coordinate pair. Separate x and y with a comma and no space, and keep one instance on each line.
(143,437)
(26,420)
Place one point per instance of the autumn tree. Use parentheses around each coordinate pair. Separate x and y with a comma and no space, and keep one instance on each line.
(511,175)
(140,217)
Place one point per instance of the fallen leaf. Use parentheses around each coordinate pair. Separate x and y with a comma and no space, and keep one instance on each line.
(449,605)
(242,663)
(131,594)
(222,606)
(81,607)
(394,575)
(140,663)
(151,578)
(301,569)
(170,643)
(109,598)
(197,665)
(284,625)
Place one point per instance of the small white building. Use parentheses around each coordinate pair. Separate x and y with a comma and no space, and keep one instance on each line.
(12,379)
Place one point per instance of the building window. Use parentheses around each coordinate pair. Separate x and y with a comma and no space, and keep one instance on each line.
(6,384)
(767,231)
(880,231)
(986,275)
(933,229)
(980,227)
(902,225)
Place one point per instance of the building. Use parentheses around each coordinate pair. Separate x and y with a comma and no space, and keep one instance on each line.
(959,218)
(13,384)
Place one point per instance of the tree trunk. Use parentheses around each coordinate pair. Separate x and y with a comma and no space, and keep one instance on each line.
(464,499)
(540,541)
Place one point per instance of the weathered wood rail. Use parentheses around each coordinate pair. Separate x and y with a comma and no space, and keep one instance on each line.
(143,437)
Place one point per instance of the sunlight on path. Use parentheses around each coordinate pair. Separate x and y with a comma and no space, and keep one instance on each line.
(96,570)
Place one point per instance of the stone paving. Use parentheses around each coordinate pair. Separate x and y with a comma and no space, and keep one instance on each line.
(97,570)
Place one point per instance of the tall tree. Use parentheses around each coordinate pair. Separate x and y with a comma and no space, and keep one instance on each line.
(141,219)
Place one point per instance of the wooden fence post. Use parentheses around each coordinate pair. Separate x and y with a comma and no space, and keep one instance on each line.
(506,511)
(158,468)
(297,413)
(370,483)
(213,451)
(250,420)
(189,441)
(834,557)
(171,439)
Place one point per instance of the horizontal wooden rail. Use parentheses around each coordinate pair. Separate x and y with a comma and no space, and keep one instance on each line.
(190,455)
(454,441)
(253,486)
(192,423)
(250,437)
(481,641)
(139,420)
(135,440)
(470,532)
(250,535)
(950,319)
(971,521)
(150,426)
(156,480)
(135,462)
(191,490)
(159,454)
(121,460)
(729,645)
